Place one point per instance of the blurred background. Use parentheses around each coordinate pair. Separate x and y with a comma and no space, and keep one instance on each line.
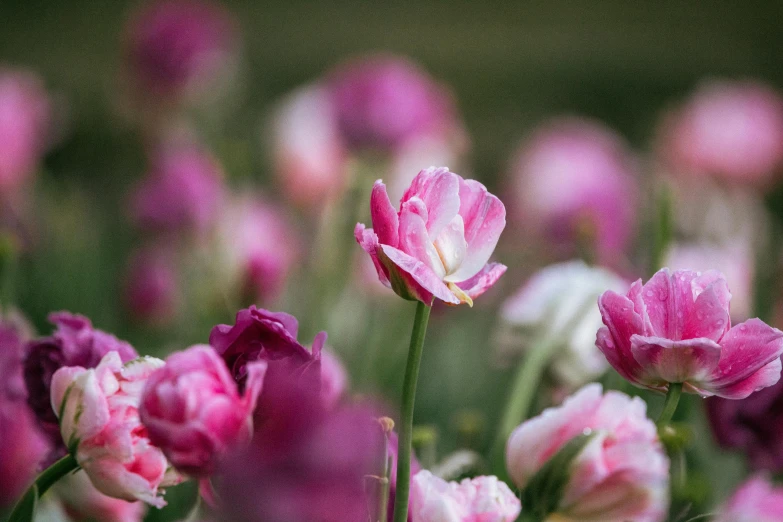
(169,163)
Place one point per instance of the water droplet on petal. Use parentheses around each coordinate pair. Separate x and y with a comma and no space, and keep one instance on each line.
(587,431)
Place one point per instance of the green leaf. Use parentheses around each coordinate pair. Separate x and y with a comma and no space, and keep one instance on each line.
(25,508)
(542,494)
(181,499)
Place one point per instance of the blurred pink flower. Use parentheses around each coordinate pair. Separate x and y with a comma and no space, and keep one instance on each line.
(179,47)
(99,422)
(151,286)
(677,329)
(24,448)
(383,102)
(334,379)
(757,500)
(193,411)
(82,501)
(14,334)
(308,150)
(182,191)
(24,126)
(439,243)
(74,343)
(752,425)
(480,499)
(258,247)
(730,130)
(621,474)
(573,183)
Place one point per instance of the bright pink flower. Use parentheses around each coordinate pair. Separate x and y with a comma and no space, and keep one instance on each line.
(151,285)
(99,422)
(83,502)
(731,130)
(193,411)
(24,121)
(480,499)
(183,191)
(383,102)
(757,500)
(179,47)
(24,447)
(438,244)
(677,329)
(621,474)
(573,181)
(258,247)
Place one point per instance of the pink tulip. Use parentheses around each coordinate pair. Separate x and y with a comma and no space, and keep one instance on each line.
(24,446)
(481,499)
(99,422)
(622,472)
(83,502)
(193,411)
(24,121)
(730,130)
(438,244)
(677,329)
(573,183)
(757,500)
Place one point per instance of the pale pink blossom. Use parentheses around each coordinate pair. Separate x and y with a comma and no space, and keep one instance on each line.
(100,425)
(24,121)
(757,500)
(439,243)
(480,499)
(677,329)
(729,130)
(81,501)
(621,474)
(573,183)
(193,410)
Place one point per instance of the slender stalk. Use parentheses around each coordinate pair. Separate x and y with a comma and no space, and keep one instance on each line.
(523,389)
(45,480)
(670,404)
(415,350)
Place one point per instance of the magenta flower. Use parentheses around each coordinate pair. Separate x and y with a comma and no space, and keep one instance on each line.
(677,329)
(24,448)
(383,102)
(334,379)
(179,47)
(438,244)
(151,285)
(729,130)
(573,181)
(757,500)
(99,423)
(183,191)
(24,126)
(480,499)
(752,425)
(74,343)
(193,411)
(621,474)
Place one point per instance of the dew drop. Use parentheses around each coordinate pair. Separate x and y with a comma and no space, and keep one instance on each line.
(609,343)
(718,323)
(743,328)
(587,431)
(649,293)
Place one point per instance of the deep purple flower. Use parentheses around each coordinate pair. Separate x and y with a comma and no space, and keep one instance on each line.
(383,102)
(752,425)
(179,47)
(74,343)
(181,192)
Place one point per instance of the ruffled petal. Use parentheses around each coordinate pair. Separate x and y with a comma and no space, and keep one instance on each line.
(412,279)
(384,217)
(439,190)
(614,340)
(666,361)
(484,280)
(415,241)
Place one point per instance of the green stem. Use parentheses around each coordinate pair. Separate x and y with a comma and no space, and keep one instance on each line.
(522,392)
(670,405)
(45,480)
(406,415)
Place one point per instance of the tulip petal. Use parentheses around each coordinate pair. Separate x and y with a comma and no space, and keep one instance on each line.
(368,240)
(614,340)
(768,375)
(746,348)
(415,241)
(668,361)
(439,190)
(484,280)
(384,217)
(452,248)
(710,314)
(255,381)
(419,279)
(484,218)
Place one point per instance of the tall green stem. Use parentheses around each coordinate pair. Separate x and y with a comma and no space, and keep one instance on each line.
(670,404)
(24,510)
(523,390)
(406,415)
